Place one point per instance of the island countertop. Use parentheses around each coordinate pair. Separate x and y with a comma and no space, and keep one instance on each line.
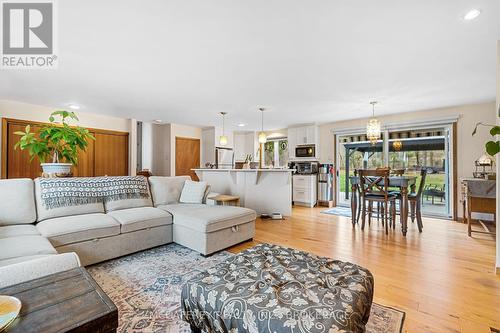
(263,190)
(245,170)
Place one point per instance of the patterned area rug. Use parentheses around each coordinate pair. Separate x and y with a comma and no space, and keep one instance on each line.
(341,211)
(146,288)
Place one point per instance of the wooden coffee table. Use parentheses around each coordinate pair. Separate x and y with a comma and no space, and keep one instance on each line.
(69,301)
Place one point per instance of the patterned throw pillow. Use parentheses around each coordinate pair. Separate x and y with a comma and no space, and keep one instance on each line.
(193,192)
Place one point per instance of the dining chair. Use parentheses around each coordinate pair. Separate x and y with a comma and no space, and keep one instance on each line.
(374,187)
(415,200)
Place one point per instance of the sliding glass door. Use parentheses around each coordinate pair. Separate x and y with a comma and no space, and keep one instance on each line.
(410,150)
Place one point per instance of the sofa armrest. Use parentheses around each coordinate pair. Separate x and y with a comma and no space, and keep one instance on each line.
(208,201)
(37,268)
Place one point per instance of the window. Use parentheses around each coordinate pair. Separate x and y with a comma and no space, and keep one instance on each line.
(276,153)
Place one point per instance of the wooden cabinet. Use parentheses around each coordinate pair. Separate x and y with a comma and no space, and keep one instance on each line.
(305,191)
(107,155)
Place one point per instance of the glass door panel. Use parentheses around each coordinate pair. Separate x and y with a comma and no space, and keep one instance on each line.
(427,149)
(355,152)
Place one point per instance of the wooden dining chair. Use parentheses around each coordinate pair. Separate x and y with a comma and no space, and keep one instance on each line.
(374,187)
(415,200)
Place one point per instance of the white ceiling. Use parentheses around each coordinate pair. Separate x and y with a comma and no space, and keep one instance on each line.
(184,61)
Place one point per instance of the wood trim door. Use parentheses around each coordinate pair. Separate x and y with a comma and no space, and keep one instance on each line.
(187,156)
(108,155)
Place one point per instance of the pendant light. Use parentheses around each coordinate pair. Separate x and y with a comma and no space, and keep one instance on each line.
(262,135)
(397,145)
(373,127)
(223,137)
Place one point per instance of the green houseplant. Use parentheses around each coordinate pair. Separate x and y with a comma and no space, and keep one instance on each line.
(57,142)
(493,146)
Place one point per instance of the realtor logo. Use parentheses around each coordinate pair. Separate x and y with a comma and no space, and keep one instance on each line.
(28,35)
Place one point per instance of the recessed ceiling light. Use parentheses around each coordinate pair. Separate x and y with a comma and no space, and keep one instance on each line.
(158,121)
(241,125)
(472,14)
(74,106)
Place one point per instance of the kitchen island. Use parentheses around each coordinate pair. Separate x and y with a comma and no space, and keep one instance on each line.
(266,191)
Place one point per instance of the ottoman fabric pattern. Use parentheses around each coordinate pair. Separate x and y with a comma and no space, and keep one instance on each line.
(269,288)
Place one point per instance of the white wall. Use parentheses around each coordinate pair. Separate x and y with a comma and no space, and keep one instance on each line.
(497,117)
(469,147)
(147,145)
(25,111)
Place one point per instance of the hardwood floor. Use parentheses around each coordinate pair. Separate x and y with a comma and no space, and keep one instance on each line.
(442,279)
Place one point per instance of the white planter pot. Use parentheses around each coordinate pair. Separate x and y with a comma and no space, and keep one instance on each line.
(56,169)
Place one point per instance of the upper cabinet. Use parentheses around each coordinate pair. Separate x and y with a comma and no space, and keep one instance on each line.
(302,135)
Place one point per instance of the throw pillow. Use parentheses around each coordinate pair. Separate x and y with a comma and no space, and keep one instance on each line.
(193,192)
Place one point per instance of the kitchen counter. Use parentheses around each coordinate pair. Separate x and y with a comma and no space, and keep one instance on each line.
(263,190)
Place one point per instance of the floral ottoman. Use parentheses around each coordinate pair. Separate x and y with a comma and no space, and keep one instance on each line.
(270,288)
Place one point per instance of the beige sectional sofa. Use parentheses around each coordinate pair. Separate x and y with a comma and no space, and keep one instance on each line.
(33,238)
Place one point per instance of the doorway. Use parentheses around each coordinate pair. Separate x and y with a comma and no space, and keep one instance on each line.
(187,156)
(412,150)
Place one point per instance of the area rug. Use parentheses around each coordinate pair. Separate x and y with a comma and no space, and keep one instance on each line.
(146,288)
(341,211)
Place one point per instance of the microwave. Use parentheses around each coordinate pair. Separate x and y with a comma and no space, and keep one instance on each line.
(305,151)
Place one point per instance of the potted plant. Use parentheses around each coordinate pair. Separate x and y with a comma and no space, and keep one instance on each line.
(57,142)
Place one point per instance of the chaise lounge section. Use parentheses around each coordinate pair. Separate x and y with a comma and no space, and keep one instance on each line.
(41,240)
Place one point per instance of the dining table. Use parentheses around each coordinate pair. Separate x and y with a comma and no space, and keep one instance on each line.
(406,184)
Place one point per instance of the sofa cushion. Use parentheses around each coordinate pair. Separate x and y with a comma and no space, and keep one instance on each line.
(133,219)
(11,261)
(18,230)
(166,190)
(17,201)
(44,213)
(78,228)
(129,203)
(22,246)
(193,192)
(206,218)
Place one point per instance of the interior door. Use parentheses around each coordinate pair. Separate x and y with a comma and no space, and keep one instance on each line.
(187,156)
(111,155)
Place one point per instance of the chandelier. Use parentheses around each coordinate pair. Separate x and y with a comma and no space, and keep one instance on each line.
(373,127)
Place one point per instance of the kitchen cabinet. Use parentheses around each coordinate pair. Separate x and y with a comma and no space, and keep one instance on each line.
(302,135)
(304,190)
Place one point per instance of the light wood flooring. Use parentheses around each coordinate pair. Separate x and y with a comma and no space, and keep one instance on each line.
(442,279)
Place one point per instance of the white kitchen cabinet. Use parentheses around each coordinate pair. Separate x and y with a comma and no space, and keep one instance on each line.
(304,190)
(302,135)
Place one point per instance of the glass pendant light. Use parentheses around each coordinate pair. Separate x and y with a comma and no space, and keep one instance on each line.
(373,127)
(262,135)
(223,137)
(397,145)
